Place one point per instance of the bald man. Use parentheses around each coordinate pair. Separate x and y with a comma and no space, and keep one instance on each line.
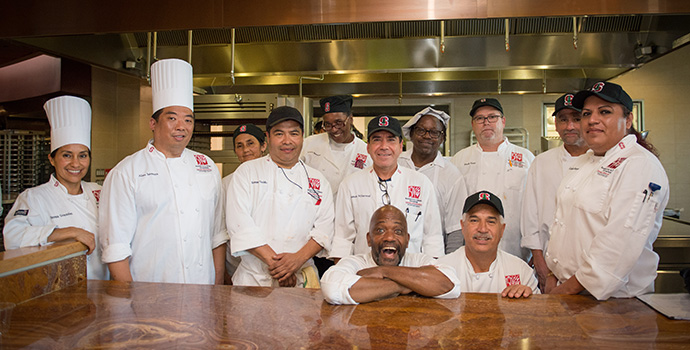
(386,271)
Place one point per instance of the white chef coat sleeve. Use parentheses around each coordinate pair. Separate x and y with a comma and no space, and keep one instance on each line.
(322,231)
(117,216)
(432,240)
(24,224)
(244,232)
(616,248)
(220,231)
(454,209)
(529,217)
(338,279)
(345,227)
(445,269)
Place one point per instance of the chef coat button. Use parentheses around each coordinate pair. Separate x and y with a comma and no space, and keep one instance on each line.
(555,261)
(197,210)
(546,254)
(182,212)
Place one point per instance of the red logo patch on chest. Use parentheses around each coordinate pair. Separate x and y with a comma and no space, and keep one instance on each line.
(314,183)
(512,279)
(516,156)
(414,191)
(97,195)
(200,159)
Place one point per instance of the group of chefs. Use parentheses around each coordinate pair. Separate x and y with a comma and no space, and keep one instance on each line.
(584,215)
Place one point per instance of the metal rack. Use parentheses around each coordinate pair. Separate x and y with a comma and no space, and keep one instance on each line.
(24,159)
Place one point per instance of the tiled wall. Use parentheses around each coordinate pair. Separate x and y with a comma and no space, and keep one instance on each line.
(664,85)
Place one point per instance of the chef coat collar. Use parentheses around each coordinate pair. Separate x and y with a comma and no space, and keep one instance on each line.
(376,176)
(492,267)
(438,160)
(153,151)
(57,184)
(627,141)
(502,147)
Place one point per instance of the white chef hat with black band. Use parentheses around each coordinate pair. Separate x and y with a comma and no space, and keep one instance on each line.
(70,121)
(172,84)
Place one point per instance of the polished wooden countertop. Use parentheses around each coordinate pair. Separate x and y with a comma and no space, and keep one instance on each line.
(108,314)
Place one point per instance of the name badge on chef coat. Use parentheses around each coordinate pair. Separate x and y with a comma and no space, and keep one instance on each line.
(202,163)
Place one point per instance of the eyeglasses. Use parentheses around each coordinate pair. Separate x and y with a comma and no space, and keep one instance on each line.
(337,124)
(492,119)
(385,198)
(433,133)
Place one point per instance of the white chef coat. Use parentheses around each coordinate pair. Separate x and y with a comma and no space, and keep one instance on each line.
(282,208)
(166,213)
(539,199)
(411,192)
(503,173)
(607,219)
(506,270)
(231,262)
(41,209)
(317,152)
(450,186)
(336,282)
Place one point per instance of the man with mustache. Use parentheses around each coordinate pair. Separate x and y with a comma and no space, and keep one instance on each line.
(480,266)
(543,178)
(494,164)
(385,183)
(387,270)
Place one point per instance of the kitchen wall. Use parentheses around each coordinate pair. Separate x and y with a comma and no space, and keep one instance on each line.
(664,85)
(122,107)
(120,123)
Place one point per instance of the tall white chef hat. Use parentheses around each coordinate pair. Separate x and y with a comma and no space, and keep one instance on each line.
(440,115)
(172,84)
(70,121)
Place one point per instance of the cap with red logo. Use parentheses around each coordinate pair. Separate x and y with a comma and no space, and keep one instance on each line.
(565,101)
(386,123)
(491,102)
(339,103)
(606,91)
(250,129)
(483,197)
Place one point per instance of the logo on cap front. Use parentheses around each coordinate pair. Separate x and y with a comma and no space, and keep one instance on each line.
(568,100)
(327,107)
(482,100)
(484,196)
(243,128)
(598,86)
(383,121)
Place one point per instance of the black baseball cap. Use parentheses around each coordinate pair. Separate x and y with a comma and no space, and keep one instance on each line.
(282,114)
(339,103)
(565,101)
(606,91)
(250,129)
(384,122)
(492,102)
(483,197)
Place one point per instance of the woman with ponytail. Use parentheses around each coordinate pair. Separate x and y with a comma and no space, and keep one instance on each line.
(609,212)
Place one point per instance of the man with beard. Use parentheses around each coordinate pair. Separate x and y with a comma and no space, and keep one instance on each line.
(386,271)
(545,174)
(494,164)
(480,265)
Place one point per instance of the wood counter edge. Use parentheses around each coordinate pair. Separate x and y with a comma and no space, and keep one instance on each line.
(22,258)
